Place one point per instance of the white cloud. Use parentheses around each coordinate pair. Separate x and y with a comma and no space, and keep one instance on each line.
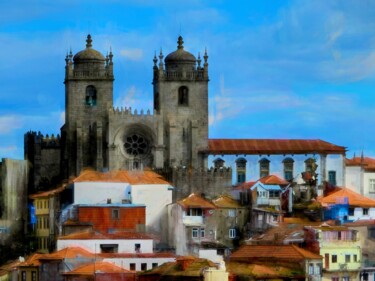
(132,54)
(9,123)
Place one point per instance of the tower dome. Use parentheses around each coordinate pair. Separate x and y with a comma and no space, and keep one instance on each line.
(89,54)
(180,59)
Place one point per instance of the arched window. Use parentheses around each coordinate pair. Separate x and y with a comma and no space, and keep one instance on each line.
(288,168)
(264,167)
(218,163)
(241,170)
(156,101)
(183,96)
(90,95)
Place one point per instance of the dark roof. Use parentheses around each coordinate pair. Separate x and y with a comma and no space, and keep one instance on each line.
(180,55)
(272,146)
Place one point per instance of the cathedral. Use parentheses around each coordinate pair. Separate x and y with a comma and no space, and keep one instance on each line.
(172,139)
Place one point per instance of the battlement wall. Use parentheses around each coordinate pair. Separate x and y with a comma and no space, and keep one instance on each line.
(211,183)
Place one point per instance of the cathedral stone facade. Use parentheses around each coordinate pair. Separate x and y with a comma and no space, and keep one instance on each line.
(172,138)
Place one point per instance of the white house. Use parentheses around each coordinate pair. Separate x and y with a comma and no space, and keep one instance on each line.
(360,175)
(124,187)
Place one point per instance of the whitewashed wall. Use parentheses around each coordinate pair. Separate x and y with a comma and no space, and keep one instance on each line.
(156,197)
(99,192)
(334,162)
(93,245)
(125,262)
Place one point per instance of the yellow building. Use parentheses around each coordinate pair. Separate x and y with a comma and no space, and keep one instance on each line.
(340,248)
(46,207)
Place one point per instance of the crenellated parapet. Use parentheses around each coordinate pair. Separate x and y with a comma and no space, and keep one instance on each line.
(45,141)
(128,111)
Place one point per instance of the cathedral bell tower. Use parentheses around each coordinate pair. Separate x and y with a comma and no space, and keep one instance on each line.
(181,98)
(88,95)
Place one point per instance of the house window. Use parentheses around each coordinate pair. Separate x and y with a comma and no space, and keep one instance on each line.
(90,95)
(288,168)
(241,170)
(198,232)
(109,248)
(365,211)
(194,233)
(334,258)
(231,213)
(183,96)
(154,264)
(264,167)
(33,276)
(332,177)
(346,278)
(137,248)
(274,193)
(311,268)
(347,258)
(232,233)
(115,214)
(194,212)
(372,185)
(218,163)
(335,279)
(132,266)
(318,269)
(23,275)
(355,258)
(143,266)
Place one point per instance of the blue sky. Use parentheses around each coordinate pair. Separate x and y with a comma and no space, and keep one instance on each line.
(278,69)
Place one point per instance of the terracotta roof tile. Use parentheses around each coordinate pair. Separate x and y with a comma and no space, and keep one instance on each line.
(361,223)
(226,201)
(131,177)
(269,271)
(354,199)
(97,267)
(68,253)
(276,252)
(195,201)
(366,162)
(48,193)
(272,146)
(87,235)
(273,180)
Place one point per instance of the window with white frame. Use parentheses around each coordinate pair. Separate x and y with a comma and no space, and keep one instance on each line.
(311,268)
(197,232)
(232,233)
(371,185)
(194,212)
(231,213)
(264,167)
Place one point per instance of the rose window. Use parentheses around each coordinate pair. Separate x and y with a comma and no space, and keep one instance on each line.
(136,145)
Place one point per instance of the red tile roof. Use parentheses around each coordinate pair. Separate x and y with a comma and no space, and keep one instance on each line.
(97,267)
(355,199)
(272,146)
(48,193)
(68,253)
(132,177)
(100,236)
(226,201)
(276,252)
(272,179)
(366,162)
(195,201)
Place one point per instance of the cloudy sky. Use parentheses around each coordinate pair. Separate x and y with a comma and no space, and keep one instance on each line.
(278,69)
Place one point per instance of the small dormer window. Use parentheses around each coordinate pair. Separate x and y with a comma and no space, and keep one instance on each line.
(183,96)
(90,95)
